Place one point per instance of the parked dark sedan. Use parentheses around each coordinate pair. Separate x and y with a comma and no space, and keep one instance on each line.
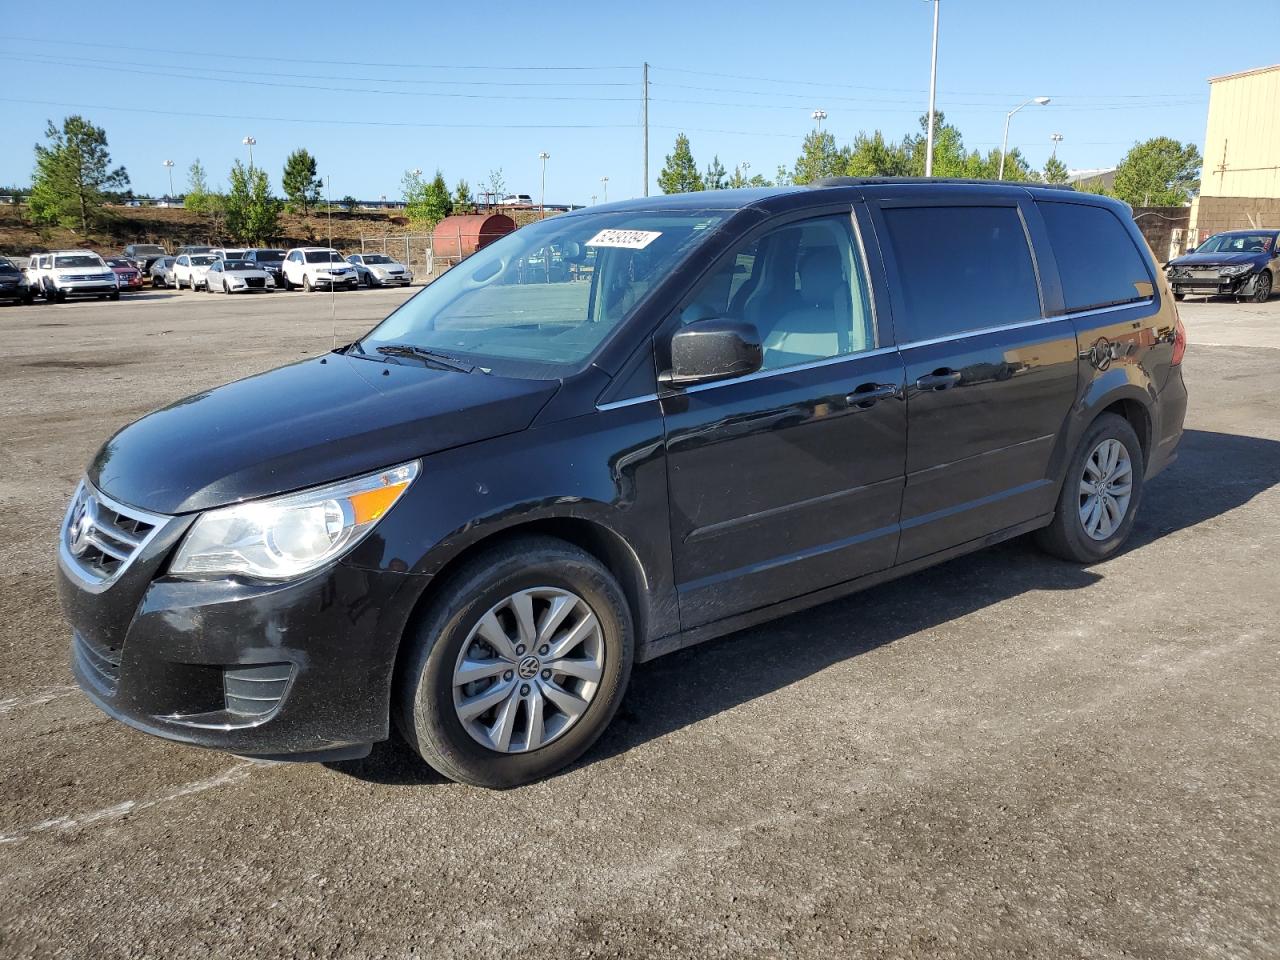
(13,284)
(1239,263)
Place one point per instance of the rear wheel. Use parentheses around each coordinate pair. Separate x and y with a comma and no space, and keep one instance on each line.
(1100,496)
(519,665)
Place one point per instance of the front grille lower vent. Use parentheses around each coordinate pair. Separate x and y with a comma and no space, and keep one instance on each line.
(101,663)
(255,691)
(100,537)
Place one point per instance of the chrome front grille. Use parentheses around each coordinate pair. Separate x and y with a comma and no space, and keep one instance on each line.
(100,537)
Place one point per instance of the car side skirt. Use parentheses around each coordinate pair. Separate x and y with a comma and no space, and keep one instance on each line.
(652,649)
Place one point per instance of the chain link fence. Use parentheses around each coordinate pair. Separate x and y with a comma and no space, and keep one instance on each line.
(417,251)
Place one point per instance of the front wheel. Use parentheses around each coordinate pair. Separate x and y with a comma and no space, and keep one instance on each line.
(1100,495)
(226,289)
(306,284)
(518,666)
(1262,288)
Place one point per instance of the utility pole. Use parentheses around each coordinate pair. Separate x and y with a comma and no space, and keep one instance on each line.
(542,197)
(169,165)
(933,94)
(604,183)
(646,129)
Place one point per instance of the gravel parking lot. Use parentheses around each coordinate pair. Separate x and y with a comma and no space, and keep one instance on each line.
(1006,756)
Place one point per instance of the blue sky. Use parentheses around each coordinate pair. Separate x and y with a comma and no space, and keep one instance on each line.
(426,85)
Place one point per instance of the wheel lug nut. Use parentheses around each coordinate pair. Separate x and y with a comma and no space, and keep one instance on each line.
(546,674)
(508,675)
(520,650)
(544,650)
(524,689)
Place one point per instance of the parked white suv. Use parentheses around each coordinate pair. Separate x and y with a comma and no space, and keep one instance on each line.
(312,267)
(72,273)
(192,270)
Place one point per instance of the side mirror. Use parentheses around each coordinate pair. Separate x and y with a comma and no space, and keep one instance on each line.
(1191,249)
(713,349)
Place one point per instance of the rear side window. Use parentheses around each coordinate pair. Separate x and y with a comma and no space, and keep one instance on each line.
(1098,262)
(961,269)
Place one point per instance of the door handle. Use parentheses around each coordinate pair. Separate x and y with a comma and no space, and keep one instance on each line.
(939,380)
(867,395)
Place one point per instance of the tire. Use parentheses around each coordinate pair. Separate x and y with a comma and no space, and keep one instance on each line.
(1179,297)
(306,284)
(1067,536)
(424,701)
(225,288)
(368,280)
(287,284)
(114,296)
(1262,288)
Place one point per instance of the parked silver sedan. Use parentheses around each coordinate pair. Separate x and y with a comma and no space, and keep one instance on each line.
(380,270)
(161,272)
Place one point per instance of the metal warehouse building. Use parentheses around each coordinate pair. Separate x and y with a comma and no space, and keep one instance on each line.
(1240,181)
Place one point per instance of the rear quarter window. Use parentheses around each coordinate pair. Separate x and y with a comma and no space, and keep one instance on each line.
(960,269)
(1098,262)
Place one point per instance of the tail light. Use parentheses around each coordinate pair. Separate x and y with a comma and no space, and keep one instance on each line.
(1179,342)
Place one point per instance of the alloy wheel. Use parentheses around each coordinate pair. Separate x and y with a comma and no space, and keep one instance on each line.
(1106,488)
(528,670)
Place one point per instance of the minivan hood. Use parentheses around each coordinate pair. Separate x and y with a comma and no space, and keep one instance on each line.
(305,424)
(1216,259)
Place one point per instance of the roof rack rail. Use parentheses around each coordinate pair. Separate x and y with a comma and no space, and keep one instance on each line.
(875,181)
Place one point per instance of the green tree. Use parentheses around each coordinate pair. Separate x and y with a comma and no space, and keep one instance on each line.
(300,181)
(874,156)
(348,203)
(679,174)
(197,196)
(714,179)
(496,185)
(252,213)
(819,157)
(1160,172)
(73,169)
(462,202)
(783,176)
(426,203)
(1055,171)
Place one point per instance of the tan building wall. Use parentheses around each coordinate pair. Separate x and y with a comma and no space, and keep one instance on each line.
(1242,140)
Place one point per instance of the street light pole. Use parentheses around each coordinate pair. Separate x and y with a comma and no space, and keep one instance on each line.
(1004,144)
(933,94)
(604,183)
(1057,139)
(542,197)
(819,116)
(169,164)
(249,142)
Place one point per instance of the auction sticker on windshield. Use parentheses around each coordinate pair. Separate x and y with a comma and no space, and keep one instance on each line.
(629,239)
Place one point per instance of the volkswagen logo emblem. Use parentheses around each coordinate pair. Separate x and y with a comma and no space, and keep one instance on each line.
(82,527)
(528,668)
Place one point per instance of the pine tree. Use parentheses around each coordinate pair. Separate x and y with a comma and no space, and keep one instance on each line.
(426,204)
(819,157)
(300,182)
(1055,171)
(252,213)
(680,174)
(72,173)
(715,176)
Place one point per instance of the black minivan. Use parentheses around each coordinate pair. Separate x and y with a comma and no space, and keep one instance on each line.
(722,408)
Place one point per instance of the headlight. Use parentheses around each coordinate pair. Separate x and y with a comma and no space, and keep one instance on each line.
(1237,270)
(286,537)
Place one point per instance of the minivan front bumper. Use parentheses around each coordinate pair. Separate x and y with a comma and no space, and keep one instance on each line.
(300,670)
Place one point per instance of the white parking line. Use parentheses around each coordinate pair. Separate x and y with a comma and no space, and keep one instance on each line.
(108,814)
(11,704)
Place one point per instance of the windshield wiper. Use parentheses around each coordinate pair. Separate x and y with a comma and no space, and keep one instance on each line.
(429,357)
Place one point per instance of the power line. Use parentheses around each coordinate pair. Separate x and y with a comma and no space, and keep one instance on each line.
(326,120)
(333,63)
(310,86)
(92,61)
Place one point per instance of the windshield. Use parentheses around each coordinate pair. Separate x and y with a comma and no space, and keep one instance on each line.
(512,301)
(377,258)
(238,265)
(77,261)
(147,250)
(325,256)
(202,259)
(268,256)
(7,267)
(233,254)
(1238,243)
(121,262)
